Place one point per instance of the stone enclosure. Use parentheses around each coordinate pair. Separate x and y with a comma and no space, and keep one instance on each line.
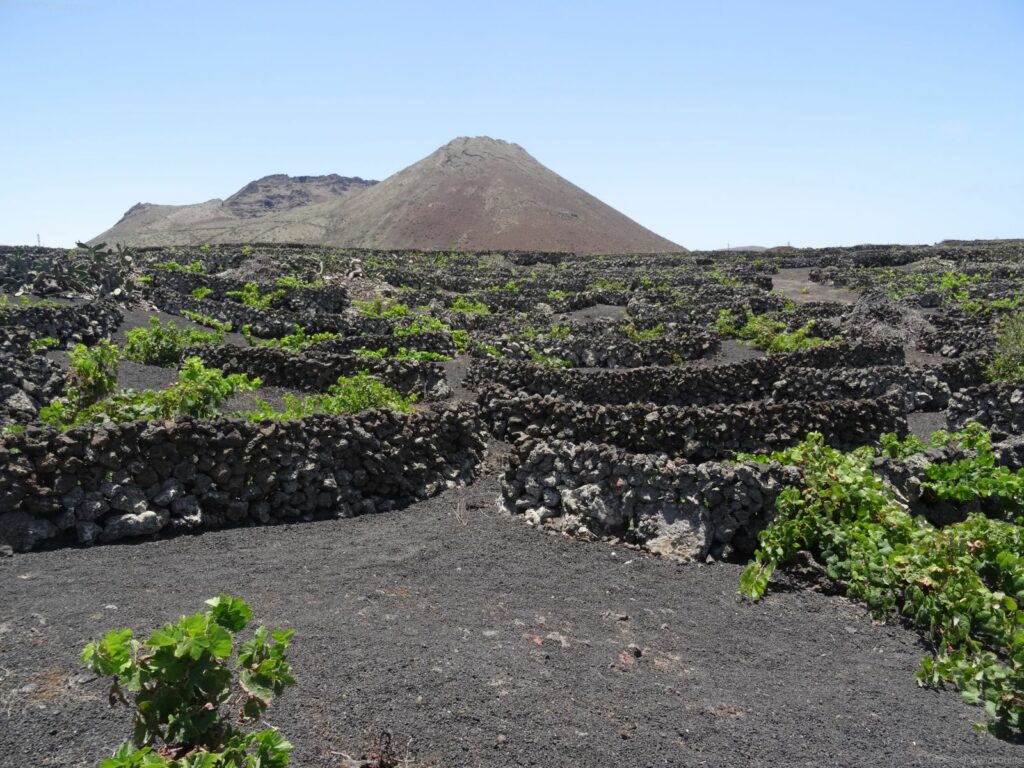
(620,405)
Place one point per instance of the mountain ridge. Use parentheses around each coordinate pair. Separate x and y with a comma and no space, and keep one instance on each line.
(473,193)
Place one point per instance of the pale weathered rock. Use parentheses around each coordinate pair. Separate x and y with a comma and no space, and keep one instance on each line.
(590,501)
(679,532)
(132,525)
(130,499)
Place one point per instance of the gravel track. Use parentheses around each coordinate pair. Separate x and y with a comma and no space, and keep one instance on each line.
(926,423)
(792,282)
(597,312)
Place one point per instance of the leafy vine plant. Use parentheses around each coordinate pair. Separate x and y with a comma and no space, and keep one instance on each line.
(189,699)
(962,585)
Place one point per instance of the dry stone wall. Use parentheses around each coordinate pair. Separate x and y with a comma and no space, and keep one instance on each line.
(666,505)
(612,350)
(103,484)
(694,433)
(997,407)
(267,323)
(735,382)
(70,324)
(925,388)
(326,298)
(28,381)
(316,371)
(430,341)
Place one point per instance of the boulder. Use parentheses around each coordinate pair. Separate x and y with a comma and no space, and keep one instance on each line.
(132,525)
(22,531)
(591,503)
(678,531)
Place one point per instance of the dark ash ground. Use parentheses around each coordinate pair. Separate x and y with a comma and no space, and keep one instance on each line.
(488,644)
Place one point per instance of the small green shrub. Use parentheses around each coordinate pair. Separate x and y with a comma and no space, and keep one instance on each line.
(25,302)
(549,361)
(93,372)
(1007,363)
(247,250)
(721,278)
(461,340)
(767,334)
(470,307)
(643,334)
(46,342)
(207,320)
(554,295)
(962,585)
(554,333)
(202,292)
(418,354)
(648,283)
(421,324)
(401,354)
(296,340)
(373,354)
(379,307)
(199,392)
(163,344)
(558,332)
(603,284)
(510,286)
(250,296)
(195,267)
(350,394)
(491,351)
(296,282)
(181,683)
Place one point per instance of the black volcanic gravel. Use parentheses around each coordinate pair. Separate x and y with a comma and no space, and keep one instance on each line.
(489,644)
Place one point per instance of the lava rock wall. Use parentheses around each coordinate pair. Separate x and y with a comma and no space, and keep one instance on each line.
(666,505)
(694,433)
(315,372)
(997,407)
(70,324)
(730,383)
(103,484)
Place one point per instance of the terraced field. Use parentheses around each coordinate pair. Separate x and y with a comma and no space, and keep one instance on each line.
(508,501)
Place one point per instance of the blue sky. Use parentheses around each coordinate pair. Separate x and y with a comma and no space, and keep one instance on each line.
(814,123)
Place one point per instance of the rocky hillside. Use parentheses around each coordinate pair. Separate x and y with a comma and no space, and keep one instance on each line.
(471,194)
(230,220)
(273,194)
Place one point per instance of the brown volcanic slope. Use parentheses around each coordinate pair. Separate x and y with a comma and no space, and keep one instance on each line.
(471,194)
(482,194)
(227,221)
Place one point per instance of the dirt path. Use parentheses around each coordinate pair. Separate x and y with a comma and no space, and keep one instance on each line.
(489,644)
(597,312)
(792,283)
